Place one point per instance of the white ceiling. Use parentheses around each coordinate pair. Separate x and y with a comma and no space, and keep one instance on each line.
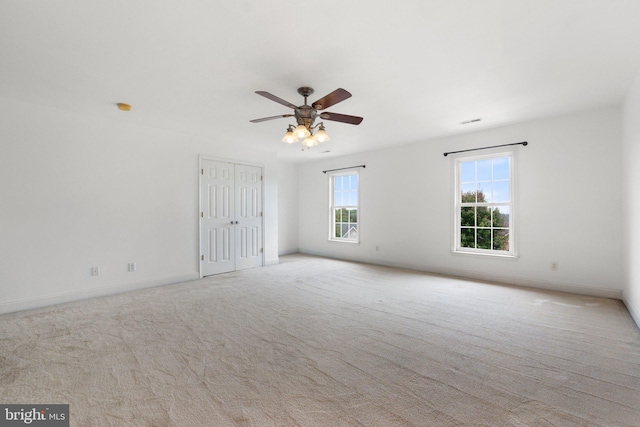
(416,68)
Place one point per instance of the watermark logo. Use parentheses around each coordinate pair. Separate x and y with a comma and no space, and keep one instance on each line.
(34,415)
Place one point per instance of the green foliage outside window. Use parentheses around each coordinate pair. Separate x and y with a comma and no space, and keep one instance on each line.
(481,226)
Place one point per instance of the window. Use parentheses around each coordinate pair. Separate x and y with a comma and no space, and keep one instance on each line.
(484,205)
(344,207)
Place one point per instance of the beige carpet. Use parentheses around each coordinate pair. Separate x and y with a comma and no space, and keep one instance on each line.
(316,342)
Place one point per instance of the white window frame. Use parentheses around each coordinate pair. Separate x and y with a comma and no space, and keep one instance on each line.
(456,247)
(332,206)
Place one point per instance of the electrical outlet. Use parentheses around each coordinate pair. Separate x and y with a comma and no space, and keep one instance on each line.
(131,266)
(555,266)
(95,271)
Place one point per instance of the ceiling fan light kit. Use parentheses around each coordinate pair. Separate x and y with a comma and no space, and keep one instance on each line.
(302,131)
(321,135)
(307,114)
(290,137)
(310,142)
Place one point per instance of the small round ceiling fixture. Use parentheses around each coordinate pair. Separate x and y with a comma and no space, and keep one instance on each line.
(124,107)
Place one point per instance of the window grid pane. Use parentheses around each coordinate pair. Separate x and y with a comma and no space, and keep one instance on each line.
(484,206)
(344,214)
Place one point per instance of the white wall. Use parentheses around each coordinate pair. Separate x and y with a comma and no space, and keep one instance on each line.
(631,159)
(569,204)
(81,191)
(287,208)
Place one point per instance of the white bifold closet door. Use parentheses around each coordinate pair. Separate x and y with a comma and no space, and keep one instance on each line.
(231,217)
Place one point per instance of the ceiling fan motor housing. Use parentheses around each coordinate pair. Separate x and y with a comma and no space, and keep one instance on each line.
(305,115)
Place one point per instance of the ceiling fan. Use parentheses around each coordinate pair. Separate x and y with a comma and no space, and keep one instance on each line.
(306,115)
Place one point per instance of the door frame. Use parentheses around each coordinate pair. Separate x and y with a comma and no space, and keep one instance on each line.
(202,157)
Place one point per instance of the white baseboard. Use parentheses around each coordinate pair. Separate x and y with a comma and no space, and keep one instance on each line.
(272,261)
(541,284)
(507,280)
(63,297)
(633,310)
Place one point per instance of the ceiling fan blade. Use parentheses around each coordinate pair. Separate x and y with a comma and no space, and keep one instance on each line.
(344,118)
(264,119)
(333,98)
(276,99)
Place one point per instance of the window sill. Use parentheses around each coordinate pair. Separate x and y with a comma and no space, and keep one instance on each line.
(508,257)
(357,242)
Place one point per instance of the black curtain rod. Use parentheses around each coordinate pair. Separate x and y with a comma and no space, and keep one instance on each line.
(350,167)
(525,143)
